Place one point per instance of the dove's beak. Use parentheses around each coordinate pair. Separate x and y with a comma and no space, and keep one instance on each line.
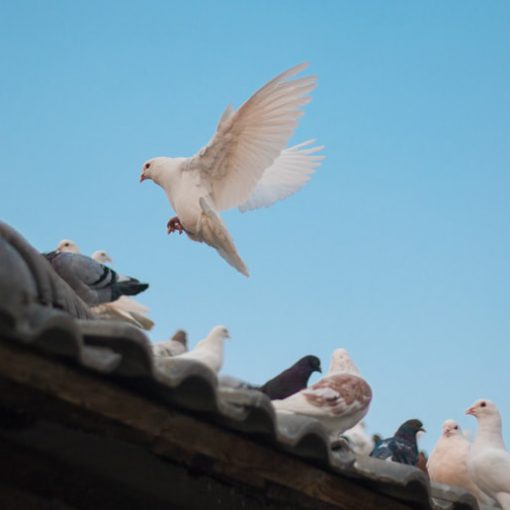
(471,411)
(142,177)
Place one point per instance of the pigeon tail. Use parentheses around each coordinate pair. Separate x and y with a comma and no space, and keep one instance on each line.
(128,288)
(215,234)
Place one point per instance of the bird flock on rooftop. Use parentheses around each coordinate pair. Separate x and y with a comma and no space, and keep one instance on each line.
(247,165)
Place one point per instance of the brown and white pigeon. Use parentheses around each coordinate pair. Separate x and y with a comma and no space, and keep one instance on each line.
(339,400)
(488,459)
(245,165)
(177,345)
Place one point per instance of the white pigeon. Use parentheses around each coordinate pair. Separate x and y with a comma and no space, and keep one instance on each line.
(124,308)
(208,351)
(448,460)
(488,459)
(339,400)
(359,441)
(245,164)
(178,344)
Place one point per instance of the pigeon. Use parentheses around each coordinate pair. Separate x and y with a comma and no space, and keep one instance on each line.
(339,400)
(402,447)
(358,440)
(178,344)
(488,459)
(448,460)
(93,282)
(293,379)
(209,351)
(124,308)
(245,164)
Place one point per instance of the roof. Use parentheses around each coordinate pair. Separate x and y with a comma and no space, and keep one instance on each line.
(86,405)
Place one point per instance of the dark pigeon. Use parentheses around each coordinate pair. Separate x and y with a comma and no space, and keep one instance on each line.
(402,447)
(293,379)
(92,281)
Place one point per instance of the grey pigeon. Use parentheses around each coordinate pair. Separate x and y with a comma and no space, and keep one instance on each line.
(402,447)
(92,281)
(292,379)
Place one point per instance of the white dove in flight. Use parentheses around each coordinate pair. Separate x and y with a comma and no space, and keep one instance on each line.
(245,165)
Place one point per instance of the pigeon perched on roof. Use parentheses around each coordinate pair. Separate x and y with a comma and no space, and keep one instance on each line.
(402,447)
(448,460)
(339,400)
(208,352)
(488,458)
(293,379)
(244,165)
(123,308)
(178,344)
(93,282)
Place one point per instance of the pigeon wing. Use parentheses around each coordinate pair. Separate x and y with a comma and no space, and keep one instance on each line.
(249,140)
(290,171)
(339,394)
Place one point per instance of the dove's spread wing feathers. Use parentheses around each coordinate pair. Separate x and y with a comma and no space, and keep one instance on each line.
(249,140)
(289,172)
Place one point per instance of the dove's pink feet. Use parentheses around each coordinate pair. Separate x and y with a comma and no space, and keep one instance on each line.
(174,225)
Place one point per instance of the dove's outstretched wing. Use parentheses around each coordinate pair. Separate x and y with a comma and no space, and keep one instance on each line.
(247,141)
(289,172)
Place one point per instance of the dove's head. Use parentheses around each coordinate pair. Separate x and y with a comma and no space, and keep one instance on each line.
(154,169)
(309,364)
(68,246)
(410,428)
(102,257)
(483,408)
(450,428)
(181,337)
(219,333)
(342,362)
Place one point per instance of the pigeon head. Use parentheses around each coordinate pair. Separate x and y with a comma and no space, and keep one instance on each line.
(181,337)
(410,428)
(450,428)
(102,257)
(219,333)
(154,169)
(342,362)
(483,408)
(66,245)
(310,364)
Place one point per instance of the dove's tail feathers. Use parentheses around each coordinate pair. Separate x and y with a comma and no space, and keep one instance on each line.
(130,305)
(107,310)
(129,287)
(216,235)
(145,322)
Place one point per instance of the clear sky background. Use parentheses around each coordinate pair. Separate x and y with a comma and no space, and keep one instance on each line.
(397,249)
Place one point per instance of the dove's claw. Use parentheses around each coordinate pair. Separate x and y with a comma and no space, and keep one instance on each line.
(174,224)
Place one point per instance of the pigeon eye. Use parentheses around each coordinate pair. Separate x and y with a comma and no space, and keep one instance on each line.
(147,165)
(483,404)
(456,427)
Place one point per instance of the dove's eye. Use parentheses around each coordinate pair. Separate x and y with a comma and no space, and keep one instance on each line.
(456,427)
(483,404)
(147,165)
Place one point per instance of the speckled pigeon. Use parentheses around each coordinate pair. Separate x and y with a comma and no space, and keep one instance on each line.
(292,379)
(93,282)
(402,447)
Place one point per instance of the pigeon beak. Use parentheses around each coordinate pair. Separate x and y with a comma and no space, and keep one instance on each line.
(142,177)
(471,411)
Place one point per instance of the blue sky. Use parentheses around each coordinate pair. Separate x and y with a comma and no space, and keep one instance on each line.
(398,247)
